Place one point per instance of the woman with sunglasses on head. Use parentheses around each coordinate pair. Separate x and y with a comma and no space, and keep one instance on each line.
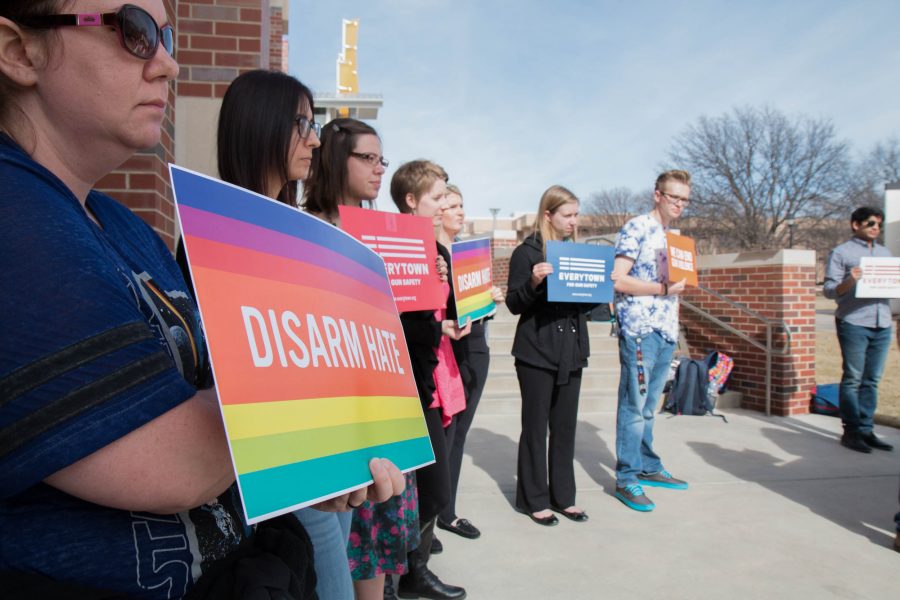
(551,348)
(115,470)
(473,356)
(347,171)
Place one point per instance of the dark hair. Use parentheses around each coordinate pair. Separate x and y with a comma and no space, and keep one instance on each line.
(256,124)
(16,11)
(863,213)
(327,180)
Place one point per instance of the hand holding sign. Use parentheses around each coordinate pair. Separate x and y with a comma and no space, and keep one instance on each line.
(682,260)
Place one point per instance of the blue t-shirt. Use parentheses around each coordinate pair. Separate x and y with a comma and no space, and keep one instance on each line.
(99,338)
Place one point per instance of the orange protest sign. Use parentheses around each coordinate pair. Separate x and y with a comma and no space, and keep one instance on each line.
(682,258)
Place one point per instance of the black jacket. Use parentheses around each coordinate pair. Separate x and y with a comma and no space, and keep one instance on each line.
(549,335)
(423,334)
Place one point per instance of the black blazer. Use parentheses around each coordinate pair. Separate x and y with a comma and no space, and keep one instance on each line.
(549,335)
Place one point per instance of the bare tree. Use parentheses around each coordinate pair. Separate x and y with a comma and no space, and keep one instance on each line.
(754,169)
(879,167)
(610,209)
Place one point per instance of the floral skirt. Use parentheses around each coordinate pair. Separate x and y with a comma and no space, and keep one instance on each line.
(382,534)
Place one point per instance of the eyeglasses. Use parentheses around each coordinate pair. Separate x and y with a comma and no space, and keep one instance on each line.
(677,200)
(872,223)
(304,126)
(373,160)
(138,32)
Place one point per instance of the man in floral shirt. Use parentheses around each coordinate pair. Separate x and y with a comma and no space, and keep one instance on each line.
(647,309)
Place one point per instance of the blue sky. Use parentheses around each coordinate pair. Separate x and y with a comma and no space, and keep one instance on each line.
(514,96)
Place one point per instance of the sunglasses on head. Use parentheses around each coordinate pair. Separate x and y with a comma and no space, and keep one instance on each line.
(138,32)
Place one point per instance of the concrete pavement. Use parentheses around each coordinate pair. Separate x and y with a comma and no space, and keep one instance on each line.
(776,509)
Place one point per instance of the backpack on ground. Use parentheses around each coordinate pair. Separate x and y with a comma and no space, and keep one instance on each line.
(697,384)
(826,400)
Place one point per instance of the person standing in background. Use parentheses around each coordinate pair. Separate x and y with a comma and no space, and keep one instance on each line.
(551,347)
(473,357)
(863,329)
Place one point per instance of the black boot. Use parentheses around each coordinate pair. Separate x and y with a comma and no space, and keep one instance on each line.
(389,592)
(419,581)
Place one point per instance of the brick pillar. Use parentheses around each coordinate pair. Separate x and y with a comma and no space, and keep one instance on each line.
(142,182)
(778,285)
(217,40)
(277,54)
(502,245)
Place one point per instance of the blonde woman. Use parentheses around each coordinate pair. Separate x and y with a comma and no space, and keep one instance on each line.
(551,349)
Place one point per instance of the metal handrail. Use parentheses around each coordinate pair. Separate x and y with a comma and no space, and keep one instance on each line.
(769,324)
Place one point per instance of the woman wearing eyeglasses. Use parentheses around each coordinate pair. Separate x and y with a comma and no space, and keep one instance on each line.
(551,348)
(114,469)
(347,170)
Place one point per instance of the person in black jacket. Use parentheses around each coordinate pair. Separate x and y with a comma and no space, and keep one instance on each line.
(550,349)
(473,356)
(419,187)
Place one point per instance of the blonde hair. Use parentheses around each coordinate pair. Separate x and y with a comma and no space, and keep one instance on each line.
(551,201)
(673,175)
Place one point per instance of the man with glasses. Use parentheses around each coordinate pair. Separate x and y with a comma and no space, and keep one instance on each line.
(647,311)
(863,328)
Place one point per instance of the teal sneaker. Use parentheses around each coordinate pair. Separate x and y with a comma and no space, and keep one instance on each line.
(662,479)
(634,498)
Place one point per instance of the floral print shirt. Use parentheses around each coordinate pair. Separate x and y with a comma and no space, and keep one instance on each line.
(643,239)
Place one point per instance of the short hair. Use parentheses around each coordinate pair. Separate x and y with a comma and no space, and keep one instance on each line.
(551,200)
(256,126)
(327,180)
(673,175)
(864,212)
(415,177)
(452,188)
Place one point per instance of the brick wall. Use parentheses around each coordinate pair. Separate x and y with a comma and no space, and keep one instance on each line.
(779,286)
(277,56)
(502,246)
(217,40)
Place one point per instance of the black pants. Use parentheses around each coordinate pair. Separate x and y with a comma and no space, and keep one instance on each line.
(480,362)
(433,481)
(544,403)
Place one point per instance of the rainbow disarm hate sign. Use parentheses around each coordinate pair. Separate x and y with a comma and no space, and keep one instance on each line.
(310,363)
(470,263)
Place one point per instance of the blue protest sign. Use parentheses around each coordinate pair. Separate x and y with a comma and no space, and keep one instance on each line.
(580,272)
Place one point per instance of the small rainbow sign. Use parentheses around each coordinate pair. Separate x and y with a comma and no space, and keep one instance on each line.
(470,263)
(310,362)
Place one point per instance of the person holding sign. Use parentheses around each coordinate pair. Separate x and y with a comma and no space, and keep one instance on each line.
(419,188)
(647,312)
(270,152)
(863,329)
(551,347)
(113,452)
(346,171)
(473,356)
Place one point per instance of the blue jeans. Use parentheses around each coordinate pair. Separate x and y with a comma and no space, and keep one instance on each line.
(635,413)
(864,350)
(329,532)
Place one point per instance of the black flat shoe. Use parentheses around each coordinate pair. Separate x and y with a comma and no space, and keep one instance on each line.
(548,521)
(436,546)
(578,517)
(855,441)
(462,528)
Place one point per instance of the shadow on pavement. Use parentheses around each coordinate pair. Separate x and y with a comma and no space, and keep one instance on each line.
(496,455)
(817,473)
